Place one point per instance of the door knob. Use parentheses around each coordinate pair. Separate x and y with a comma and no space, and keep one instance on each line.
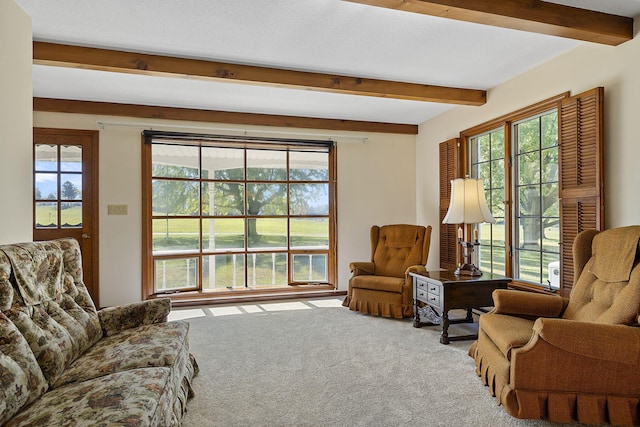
(86,235)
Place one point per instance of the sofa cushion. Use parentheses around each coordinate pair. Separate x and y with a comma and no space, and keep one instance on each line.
(138,397)
(160,344)
(6,288)
(21,380)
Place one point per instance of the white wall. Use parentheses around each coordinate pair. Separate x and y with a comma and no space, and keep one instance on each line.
(16,193)
(376,185)
(617,69)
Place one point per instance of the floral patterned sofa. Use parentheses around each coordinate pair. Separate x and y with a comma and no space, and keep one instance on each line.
(63,363)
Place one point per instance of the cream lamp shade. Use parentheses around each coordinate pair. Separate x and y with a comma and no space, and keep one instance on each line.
(468,204)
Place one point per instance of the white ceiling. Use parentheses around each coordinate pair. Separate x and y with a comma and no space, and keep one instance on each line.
(326,36)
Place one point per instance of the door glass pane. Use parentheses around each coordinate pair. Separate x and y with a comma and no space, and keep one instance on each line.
(71,187)
(46,157)
(71,158)
(71,214)
(223,271)
(176,235)
(309,233)
(176,273)
(46,215)
(306,166)
(266,165)
(309,199)
(223,234)
(46,186)
(267,233)
(175,161)
(222,163)
(267,269)
(310,267)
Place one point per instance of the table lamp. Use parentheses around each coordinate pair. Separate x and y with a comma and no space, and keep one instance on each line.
(468,205)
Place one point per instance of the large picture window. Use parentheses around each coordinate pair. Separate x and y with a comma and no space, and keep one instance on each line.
(229,214)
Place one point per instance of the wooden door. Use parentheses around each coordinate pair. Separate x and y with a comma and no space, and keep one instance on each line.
(66,193)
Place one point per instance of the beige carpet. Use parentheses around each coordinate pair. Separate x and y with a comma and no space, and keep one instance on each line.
(315,363)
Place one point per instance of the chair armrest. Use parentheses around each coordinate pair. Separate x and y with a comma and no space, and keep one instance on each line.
(415,269)
(121,317)
(362,268)
(612,343)
(528,304)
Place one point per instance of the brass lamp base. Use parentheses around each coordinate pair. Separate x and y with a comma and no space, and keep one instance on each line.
(467,270)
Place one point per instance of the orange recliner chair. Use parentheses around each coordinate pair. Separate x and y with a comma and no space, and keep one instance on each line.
(544,356)
(382,286)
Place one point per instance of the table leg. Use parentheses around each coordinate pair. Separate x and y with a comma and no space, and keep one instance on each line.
(469,317)
(444,338)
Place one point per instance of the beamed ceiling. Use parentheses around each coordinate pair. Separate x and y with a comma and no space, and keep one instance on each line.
(378,65)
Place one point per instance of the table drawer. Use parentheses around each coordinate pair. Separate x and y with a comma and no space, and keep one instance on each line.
(424,296)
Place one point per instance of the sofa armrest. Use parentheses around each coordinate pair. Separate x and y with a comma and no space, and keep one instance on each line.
(612,343)
(121,317)
(362,268)
(528,304)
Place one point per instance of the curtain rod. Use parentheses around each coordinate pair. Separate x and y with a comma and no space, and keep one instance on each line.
(242,132)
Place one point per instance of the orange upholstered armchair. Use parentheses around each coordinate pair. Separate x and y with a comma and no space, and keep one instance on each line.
(544,356)
(382,286)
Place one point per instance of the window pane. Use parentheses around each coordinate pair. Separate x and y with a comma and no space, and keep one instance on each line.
(176,274)
(71,158)
(529,266)
(484,148)
(484,172)
(71,214)
(223,234)
(497,174)
(529,233)
(175,161)
(306,166)
(267,233)
(175,197)
(497,144)
(46,186)
(528,136)
(499,263)
(549,123)
(529,200)
(176,234)
(495,201)
(266,165)
(551,236)
(498,233)
(309,199)
(71,188)
(551,269)
(266,199)
(222,163)
(529,168)
(310,267)
(550,165)
(46,215)
(550,200)
(46,157)
(222,198)
(223,271)
(267,269)
(310,233)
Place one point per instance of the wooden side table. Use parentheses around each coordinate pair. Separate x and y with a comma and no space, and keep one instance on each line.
(444,291)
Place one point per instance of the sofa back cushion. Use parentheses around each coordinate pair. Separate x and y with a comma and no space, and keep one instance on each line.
(51,306)
(21,380)
(397,248)
(608,289)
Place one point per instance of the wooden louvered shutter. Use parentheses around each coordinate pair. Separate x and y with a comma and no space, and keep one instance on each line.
(581,157)
(449,169)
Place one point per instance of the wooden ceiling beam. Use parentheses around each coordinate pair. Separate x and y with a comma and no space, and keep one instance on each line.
(212,116)
(167,66)
(527,15)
